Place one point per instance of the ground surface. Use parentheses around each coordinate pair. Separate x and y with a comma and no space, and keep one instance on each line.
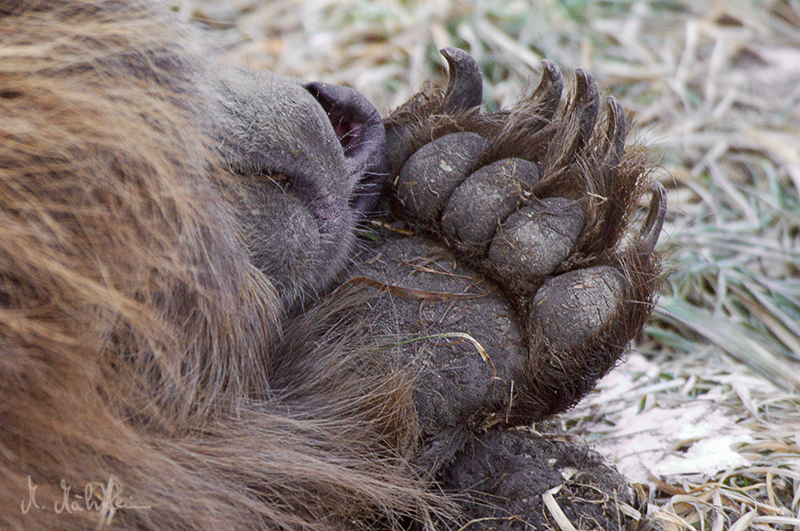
(705,416)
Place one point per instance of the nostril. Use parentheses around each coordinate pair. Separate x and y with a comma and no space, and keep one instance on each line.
(359,128)
(349,132)
(357,123)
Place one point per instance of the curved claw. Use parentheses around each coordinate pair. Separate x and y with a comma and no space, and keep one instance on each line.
(616,132)
(465,85)
(548,93)
(655,217)
(587,103)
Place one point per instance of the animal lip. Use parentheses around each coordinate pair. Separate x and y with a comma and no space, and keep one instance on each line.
(359,127)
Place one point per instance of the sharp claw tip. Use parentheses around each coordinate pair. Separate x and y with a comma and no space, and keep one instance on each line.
(656,215)
(660,195)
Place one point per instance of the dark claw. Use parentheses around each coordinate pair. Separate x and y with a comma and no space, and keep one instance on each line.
(616,132)
(465,87)
(655,217)
(587,103)
(548,93)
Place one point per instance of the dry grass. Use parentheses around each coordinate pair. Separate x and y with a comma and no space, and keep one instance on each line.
(706,415)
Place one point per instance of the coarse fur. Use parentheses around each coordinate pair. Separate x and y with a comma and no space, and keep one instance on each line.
(137,339)
(179,346)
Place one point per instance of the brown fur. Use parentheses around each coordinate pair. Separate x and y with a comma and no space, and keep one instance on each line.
(138,343)
(141,349)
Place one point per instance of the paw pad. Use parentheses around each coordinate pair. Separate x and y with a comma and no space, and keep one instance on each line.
(429,177)
(539,198)
(480,203)
(535,241)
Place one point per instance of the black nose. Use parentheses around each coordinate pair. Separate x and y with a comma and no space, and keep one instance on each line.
(359,127)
